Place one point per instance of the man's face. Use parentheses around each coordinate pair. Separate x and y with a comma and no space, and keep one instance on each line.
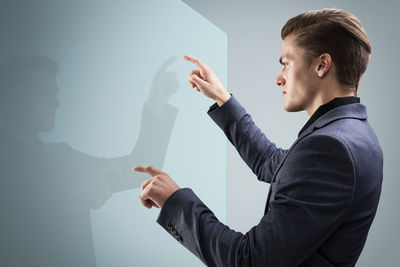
(298,81)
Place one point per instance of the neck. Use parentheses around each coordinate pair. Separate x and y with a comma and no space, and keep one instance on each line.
(326,96)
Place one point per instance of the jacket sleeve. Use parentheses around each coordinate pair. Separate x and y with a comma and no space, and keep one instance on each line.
(309,203)
(259,153)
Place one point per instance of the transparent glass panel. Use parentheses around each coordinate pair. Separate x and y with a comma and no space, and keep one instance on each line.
(88,90)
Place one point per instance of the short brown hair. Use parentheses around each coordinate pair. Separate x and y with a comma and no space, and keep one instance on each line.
(336,32)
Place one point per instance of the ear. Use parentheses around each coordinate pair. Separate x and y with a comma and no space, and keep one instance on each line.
(323,65)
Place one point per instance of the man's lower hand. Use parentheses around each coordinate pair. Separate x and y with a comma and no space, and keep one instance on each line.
(157,189)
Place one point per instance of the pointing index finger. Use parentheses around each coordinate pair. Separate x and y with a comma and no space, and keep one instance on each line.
(149,169)
(196,61)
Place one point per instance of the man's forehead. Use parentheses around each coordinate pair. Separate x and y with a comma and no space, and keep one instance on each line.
(289,49)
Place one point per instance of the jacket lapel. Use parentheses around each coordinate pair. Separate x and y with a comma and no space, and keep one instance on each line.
(349,111)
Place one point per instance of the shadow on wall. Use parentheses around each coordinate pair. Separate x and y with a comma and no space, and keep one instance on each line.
(48,189)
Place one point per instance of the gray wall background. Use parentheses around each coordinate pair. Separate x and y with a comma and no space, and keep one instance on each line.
(254,46)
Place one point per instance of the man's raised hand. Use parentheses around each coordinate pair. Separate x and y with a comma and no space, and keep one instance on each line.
(205,81)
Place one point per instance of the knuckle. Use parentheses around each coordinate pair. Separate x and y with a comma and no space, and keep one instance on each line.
(164,178)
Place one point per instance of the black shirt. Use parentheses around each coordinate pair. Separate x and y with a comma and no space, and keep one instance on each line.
(336,102)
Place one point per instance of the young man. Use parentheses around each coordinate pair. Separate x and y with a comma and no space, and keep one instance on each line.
(324,190)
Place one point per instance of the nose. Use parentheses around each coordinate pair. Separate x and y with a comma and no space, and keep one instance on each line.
(280,81)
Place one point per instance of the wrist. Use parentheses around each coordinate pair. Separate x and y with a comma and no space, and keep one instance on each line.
(222,99)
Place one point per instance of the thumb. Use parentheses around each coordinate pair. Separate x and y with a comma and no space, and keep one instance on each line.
(200,83)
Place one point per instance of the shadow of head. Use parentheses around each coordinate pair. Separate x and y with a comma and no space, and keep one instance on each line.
(28,92)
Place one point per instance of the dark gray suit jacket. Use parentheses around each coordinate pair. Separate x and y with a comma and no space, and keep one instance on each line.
(323,196)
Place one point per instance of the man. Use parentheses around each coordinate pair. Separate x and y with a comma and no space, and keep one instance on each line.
(324,190)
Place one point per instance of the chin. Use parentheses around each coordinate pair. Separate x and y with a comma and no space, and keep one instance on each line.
(292,108)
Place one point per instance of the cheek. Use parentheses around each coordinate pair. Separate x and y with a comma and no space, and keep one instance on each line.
(298,76)
(301,80)
(293,76)
(291,81)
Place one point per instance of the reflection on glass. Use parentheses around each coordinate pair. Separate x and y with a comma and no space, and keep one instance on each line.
(48,189)
(89,89)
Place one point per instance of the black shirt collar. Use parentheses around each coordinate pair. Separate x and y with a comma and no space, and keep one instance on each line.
(336,102)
